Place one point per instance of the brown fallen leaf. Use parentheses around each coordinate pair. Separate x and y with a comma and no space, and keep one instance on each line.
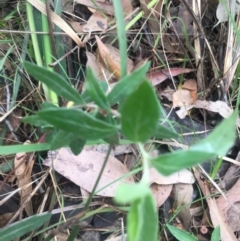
(127,7)
(167,92)
(182,98)
(139,64)
(85,193)
(161,75)
(23,164)
(183,23)
(183,176)
(160,193)
(4,219)
(215,106)
(182,196)
(183,111)
(153,19)
(77,26)
(101,6)
(98,69)
(191,85)
(216,215)
(230,207)
(97,22)
(109,57)
(15,121)
(84,168)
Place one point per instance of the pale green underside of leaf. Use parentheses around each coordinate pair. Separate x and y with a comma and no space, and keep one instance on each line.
(217,143)
(142,221)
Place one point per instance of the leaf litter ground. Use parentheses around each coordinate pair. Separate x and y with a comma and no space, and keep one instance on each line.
(193,50)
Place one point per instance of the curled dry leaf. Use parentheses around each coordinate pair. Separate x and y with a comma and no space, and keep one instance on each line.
(84,168)
(191,85)
(182,98)
(216,215)
(161,75)
(101,6)
(77,26)
(109,57)
(23,169)
(230,207)
(85,193)
(161,186)
(160,193)
(97,22)
(222,13)
(127,7)
(98,69)
(183,176)
(183,111)
(139,64)
(183,194)
(167,92)
(183,24)
(58,21)
(215,106)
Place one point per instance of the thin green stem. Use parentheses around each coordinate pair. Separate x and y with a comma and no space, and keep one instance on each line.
(138,16)
(98,178)
(48,54)
(122,37)
(145,160)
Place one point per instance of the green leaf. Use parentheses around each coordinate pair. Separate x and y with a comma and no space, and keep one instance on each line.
(79,123)
(221,139)
(13,149)
(112,139)
(134,191)
(217,143)
(142,220)
(216,234)
(73,234)
(18,229)
(87,98)
(95,91)
(77,145)
(54,81)
(163,132)
(48,105)
(128,84)
(181,234)
(62,139)
(140,113)
(35,120)
(173,162)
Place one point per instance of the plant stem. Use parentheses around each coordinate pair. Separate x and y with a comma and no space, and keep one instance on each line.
(145,159)
(98,178)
